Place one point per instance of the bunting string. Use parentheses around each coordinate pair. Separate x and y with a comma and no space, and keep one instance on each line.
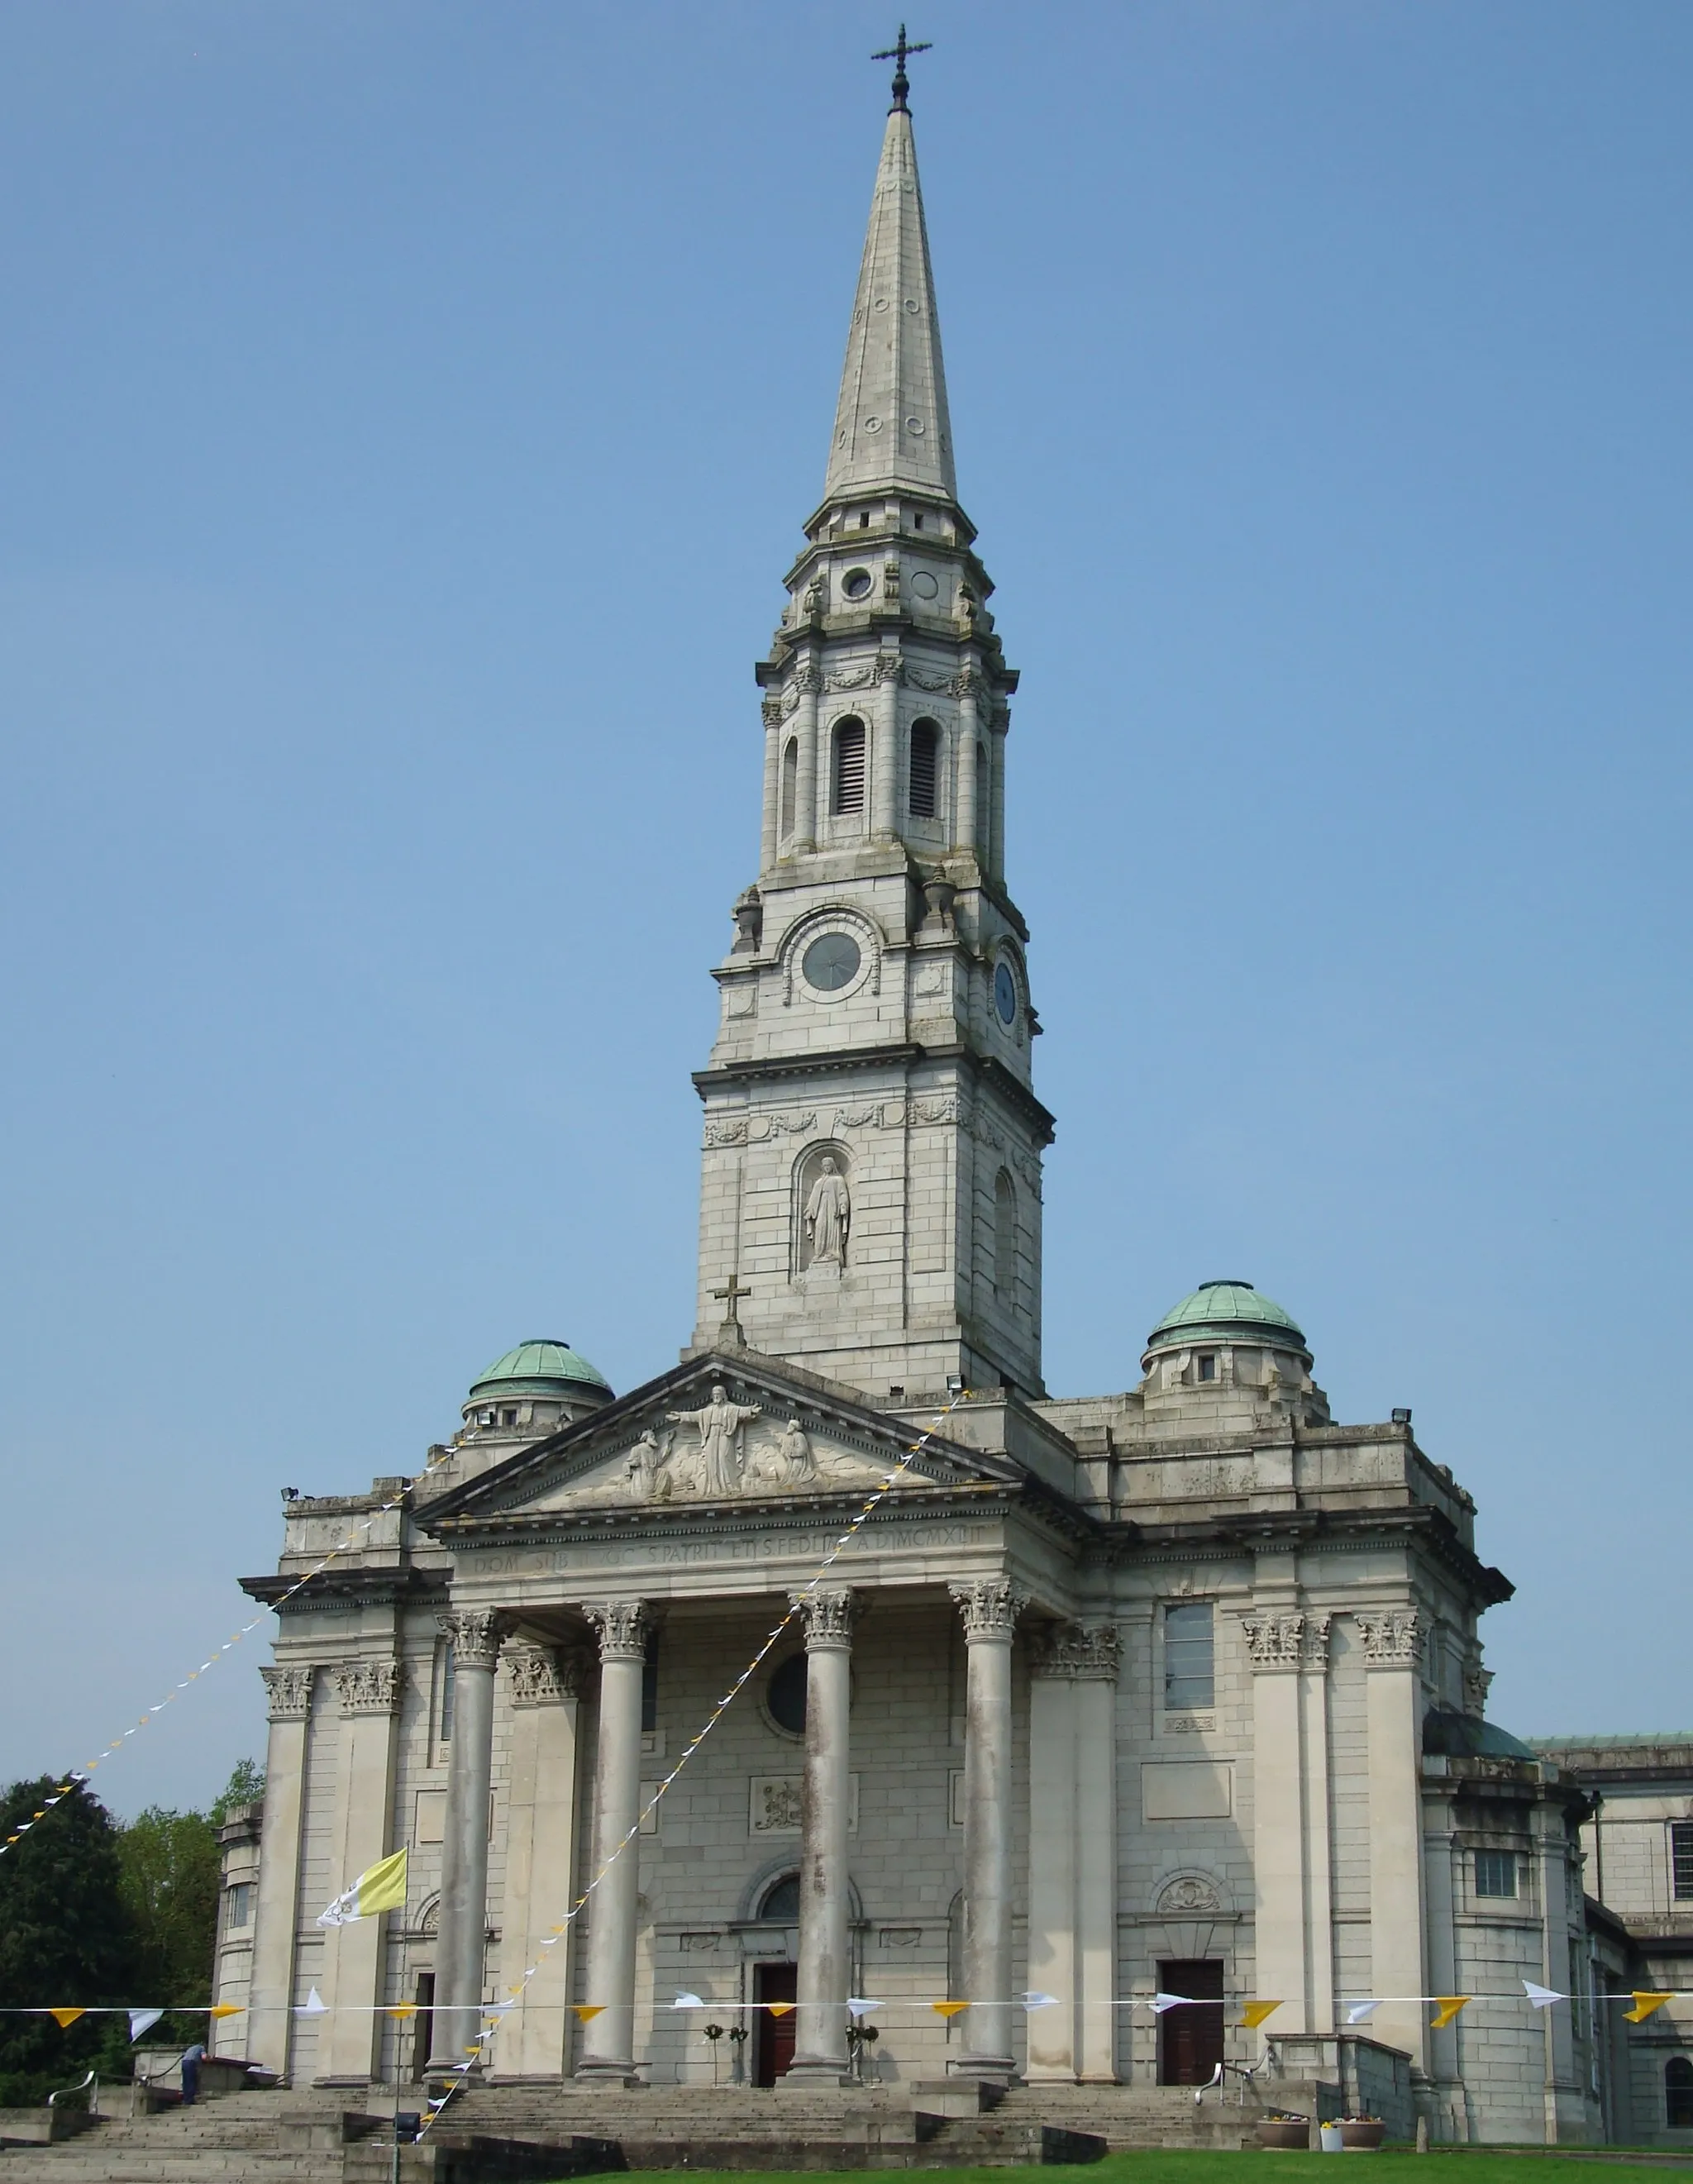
(78,1775)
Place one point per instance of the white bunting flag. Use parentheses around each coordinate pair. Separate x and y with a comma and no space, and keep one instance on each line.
(1161,2002)
(313,2006)
(861,2005)
(1034,1999)
(143,2020)
(686,2001)
(1543,1997)
(1356,2012)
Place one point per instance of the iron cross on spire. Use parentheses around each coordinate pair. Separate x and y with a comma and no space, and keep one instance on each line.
(899,52)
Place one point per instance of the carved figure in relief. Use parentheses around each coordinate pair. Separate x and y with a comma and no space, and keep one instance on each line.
(798,1463)
(719,1426)
(647,1460)
(828,1214)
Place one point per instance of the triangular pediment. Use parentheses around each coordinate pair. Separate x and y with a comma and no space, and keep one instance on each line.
(718,1432)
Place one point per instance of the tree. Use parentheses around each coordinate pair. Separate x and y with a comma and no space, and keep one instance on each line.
(245,1786)
(170,1869)
(67,1940)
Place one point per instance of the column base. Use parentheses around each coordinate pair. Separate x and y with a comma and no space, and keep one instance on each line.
(814,2070)
(986,2070)
(607,2074)
(958,2095)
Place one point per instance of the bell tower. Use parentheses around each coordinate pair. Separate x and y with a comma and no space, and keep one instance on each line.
(870,1199)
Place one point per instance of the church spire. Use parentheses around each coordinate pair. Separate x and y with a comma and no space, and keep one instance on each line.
(892,431)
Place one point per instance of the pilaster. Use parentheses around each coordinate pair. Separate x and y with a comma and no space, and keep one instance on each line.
(544,1688)
(1072,1852)
(1393,1640)
(288,1691)
(368,1694)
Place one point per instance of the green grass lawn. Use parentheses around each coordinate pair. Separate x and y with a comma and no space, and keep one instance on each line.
(1173,2166)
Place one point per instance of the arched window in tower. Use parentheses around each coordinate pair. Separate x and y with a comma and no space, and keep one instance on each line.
(847,772)
(790,784)
(1005,1237)
(984,790)
(925,769)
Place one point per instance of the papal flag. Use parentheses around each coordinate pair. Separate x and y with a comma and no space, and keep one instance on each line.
(380,1887)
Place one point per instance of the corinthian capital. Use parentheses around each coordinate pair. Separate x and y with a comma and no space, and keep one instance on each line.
(288,1692)
(368,1686)
(473,1634)
(1392,1638)
(1080,1654)
(829,1619)
(537,1676)
(991,1606)
(623,1625)
(1274,1641)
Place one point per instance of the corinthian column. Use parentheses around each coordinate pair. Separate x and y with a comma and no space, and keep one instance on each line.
(990,1608)
(474,1635)
(819,2056)
(608,2045)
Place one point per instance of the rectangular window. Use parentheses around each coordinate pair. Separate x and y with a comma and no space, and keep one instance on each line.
(1496,1873)
(444,1689)
(237,1906)
(1681,1861)
(1206,1366)
(1189,1655)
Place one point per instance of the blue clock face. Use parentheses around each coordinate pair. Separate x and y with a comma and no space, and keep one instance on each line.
(1004,994)
(831,963)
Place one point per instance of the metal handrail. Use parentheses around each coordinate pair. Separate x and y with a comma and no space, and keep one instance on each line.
(1246,2072)
(81,2086)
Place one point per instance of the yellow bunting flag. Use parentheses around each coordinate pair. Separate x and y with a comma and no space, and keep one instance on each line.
(1253,2015)
(584,2010)
(64,2017)
(402,2009)
(224,2009)
(1644,2004)
(781,2009)
(948,2008)
(1448,2006)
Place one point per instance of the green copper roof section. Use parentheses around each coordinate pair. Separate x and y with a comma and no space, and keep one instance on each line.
(1221,1312)
(537,1368)
(1462,1736)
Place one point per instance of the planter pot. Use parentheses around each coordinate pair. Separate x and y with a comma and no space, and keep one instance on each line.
(1291,2137)
(1329,2140)
(1361,2137)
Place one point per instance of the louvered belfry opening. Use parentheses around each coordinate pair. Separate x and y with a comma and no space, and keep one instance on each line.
(849,767)
(925,768)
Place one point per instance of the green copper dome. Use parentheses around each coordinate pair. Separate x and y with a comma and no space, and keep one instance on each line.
(1226,1312)
(540,1368)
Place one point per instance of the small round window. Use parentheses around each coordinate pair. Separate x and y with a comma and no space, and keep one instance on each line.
(856,583)
(1005,992)
(831,961)
(785,1695)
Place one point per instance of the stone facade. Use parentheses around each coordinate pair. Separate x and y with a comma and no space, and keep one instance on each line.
(1090,1697)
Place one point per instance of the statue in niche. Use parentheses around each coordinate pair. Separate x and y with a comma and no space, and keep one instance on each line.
(828,1213)
(719,1426)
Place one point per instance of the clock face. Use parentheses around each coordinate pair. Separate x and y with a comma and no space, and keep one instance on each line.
(831,961)
(1004,994)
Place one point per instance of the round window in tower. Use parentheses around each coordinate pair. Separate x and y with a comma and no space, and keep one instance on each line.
(831,961)
(856,583)
(785,1694)
(1005,993)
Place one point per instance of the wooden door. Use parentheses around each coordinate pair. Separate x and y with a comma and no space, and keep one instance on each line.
(423,2025)
(1190,2035)
(773,2036)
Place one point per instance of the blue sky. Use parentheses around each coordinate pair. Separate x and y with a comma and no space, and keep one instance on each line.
(406,415)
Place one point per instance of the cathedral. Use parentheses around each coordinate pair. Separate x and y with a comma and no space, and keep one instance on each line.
(846,1661)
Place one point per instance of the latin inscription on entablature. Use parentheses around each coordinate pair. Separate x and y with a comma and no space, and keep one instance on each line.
(723,1550)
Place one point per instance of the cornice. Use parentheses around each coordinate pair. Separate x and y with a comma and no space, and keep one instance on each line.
(347,1588)
(1344,1530)
(990,1072)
